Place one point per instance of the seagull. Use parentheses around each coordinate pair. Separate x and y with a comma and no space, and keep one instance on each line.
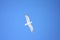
(29,23)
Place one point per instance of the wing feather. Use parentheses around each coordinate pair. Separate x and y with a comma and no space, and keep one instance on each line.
(27,18)
(31,27)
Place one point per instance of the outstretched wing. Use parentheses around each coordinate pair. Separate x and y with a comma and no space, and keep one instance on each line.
(30,27)
(27,18)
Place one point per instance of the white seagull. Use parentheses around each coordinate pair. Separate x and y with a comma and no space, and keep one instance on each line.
(29,23)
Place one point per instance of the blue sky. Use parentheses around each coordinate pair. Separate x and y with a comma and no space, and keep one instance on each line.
(44,14)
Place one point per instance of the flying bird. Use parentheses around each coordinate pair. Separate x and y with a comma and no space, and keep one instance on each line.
(29,23)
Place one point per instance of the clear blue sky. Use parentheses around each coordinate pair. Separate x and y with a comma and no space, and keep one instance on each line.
(44,14)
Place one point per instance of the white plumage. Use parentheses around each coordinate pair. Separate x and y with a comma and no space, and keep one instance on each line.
(29,23)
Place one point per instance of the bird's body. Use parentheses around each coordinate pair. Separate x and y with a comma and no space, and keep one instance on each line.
(29,23)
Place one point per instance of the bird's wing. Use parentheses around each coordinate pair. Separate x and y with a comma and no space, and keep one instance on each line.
(30,27)
(27,18)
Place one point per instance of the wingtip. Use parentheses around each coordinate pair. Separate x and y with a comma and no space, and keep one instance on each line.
(32,30)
